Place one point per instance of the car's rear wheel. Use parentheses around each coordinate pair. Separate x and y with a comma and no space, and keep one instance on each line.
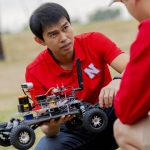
(74,124)
(4,138)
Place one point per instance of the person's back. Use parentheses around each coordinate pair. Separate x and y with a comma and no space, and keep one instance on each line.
(131,129)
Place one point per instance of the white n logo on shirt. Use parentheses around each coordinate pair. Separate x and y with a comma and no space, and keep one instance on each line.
(92,71)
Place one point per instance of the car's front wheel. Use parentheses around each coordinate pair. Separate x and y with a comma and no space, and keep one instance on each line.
(95,120)
(22,137)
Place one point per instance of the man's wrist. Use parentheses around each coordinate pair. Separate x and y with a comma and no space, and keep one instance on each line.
(117,77)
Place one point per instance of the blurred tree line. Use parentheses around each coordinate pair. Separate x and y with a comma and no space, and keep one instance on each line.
(98,15)
(107,14)
(101,15)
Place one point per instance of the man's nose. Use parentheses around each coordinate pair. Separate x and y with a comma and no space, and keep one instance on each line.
(63,37)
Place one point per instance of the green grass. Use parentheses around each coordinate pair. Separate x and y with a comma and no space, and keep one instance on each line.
(20,49)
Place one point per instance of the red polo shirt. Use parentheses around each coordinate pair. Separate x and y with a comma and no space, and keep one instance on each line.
(132,101)
(95,52)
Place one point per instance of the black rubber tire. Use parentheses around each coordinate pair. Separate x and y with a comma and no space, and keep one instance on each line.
(95,120)
(22,137)
(4,141)
(74,124)
(3,125)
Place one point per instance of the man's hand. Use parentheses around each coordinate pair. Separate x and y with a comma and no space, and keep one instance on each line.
(51,127)
(108,92)
(61,120)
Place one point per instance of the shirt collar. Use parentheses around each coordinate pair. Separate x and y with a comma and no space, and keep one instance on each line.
(56,69)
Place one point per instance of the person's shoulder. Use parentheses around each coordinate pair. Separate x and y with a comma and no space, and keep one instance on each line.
(36,61)
(89,35)
(145,23)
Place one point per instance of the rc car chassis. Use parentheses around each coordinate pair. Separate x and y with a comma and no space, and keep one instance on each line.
(55,103)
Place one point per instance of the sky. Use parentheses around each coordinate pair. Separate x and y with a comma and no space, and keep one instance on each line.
(14,14)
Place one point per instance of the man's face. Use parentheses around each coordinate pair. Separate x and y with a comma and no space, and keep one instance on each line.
(59,38)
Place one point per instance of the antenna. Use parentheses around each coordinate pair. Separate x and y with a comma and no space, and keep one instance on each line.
(79,72)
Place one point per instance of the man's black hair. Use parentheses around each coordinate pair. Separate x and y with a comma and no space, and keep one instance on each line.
(46,15)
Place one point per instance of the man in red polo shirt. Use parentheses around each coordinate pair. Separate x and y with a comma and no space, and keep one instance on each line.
(132,102)
(56,66)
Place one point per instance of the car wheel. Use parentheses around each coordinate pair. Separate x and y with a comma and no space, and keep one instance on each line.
(22,137)
(95,120)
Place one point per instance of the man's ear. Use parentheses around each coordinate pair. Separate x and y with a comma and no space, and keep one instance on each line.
(38,40)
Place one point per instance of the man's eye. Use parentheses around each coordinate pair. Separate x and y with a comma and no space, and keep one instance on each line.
(52,35)
(65,27)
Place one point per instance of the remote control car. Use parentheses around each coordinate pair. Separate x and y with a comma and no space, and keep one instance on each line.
(55,103)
